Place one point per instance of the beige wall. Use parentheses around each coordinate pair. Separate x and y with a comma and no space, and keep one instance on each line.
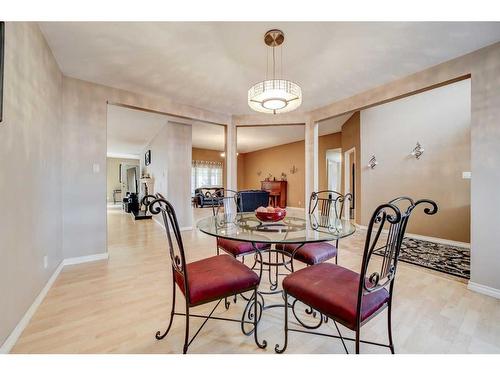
(483,66)
(113,175)
(275,160)
(170,168)
(84,135)
(30,172)
(440,120)
(210,155)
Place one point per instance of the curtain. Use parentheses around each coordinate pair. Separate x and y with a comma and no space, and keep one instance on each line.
(206,174)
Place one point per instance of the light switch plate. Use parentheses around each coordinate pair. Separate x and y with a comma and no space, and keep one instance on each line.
(96,168)
(466,175)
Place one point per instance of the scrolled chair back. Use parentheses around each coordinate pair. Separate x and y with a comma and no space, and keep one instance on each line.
(147,200)
(175,246)
(390,220)
(225,201)
(327,206)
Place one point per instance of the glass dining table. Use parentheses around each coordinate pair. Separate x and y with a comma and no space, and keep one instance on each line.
(295,228)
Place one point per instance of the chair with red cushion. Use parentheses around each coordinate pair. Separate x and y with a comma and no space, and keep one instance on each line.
(325,207)
(228,205)
(207,280)
(352,298)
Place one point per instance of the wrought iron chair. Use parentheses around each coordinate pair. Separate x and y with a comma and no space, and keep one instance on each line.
(208,280)
(228,203)
(347,297)
(327,205)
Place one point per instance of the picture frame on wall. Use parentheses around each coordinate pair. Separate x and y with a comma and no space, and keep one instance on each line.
(2,49)
(147,157)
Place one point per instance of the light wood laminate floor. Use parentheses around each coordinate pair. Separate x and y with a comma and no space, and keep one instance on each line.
(116,306)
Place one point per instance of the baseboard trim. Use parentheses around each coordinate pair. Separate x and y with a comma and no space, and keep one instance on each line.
(85,259)
(426,238)
(483,289)
(18,330)
(182,229)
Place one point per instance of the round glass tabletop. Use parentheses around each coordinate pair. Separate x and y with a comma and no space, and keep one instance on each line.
(292,229)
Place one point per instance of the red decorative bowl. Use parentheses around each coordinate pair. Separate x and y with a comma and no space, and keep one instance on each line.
(271,216)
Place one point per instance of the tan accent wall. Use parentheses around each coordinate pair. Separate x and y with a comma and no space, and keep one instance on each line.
(113,175)
(281,158)
(275,160)
(210,155)
(30,172)
(241,172)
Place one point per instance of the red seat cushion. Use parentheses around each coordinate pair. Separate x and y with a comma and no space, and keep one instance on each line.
(216,277)
(237,248)
(311,253)
(333,290)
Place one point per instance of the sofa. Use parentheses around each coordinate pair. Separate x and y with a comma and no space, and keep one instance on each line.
(204,196)
(250,200)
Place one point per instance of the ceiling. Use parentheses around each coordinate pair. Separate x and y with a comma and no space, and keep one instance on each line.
(211,65)
(130,130)
(253,138)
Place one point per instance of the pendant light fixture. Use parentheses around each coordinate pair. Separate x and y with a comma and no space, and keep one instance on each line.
(274,95)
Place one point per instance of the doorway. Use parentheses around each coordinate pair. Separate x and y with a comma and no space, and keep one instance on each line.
(334,169)
(350,181)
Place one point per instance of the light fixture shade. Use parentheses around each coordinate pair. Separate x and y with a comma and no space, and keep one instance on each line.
(275,96)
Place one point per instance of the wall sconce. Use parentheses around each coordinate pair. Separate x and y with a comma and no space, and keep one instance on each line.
(373,162)
(293,170)
(418,151)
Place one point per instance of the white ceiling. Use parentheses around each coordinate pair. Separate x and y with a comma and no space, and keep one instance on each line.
(253,138)
(130,130)
(208,136)
(211,65)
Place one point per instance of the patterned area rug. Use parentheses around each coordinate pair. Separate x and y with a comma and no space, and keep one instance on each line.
(453,260)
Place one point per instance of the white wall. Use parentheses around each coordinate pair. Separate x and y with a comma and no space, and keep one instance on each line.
(440,120)
(30,172)
(171,168)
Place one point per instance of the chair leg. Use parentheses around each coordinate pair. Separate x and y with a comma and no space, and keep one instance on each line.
(256,321)
(159,336)
(389,328)
(277,346)
(357,340)
(186,336)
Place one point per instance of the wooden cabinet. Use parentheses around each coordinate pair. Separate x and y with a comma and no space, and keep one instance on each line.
(276,189)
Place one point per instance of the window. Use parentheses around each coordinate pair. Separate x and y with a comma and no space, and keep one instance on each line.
(206,174)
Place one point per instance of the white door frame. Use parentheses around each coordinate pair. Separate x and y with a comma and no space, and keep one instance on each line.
(348,156)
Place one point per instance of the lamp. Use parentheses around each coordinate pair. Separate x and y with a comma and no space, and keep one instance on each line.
(274,95)
(146,181)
